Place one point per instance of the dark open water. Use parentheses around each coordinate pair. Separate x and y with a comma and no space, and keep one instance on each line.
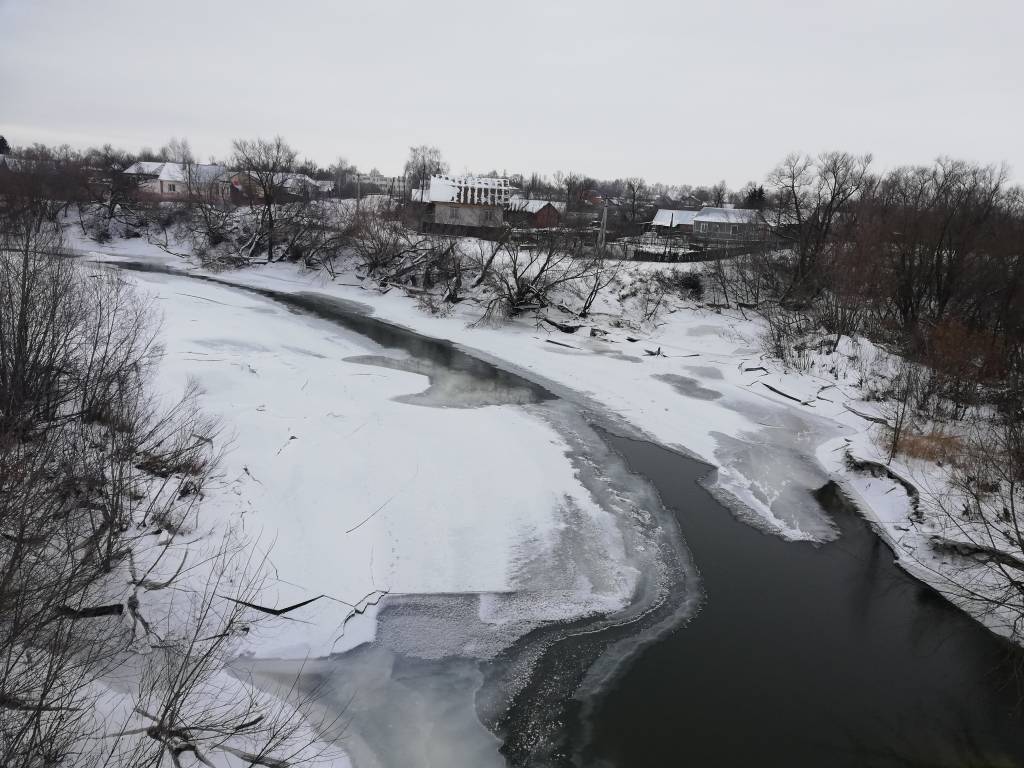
(805,655)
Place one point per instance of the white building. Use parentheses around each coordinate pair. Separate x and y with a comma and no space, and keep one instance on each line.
(469,190)
(522,204)
(172,181)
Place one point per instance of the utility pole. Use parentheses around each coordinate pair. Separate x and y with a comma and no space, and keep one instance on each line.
(604,227)
(359,178)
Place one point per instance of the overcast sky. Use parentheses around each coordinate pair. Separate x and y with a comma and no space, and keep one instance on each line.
(675,91)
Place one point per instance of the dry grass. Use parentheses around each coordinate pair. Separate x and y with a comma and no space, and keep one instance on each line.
(936,446)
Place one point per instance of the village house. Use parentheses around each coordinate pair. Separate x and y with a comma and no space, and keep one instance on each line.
(146,176)
(177,181)
(465,205)
(539,214)
(729,224)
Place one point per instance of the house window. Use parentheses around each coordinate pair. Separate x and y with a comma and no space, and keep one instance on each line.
(702,226)
(171,188)
(735,229)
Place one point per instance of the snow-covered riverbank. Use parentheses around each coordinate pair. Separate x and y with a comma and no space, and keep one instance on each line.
(711,392)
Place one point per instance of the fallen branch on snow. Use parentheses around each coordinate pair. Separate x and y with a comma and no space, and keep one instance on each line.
(868,417)
(563,327)
(786,395)
(561,344)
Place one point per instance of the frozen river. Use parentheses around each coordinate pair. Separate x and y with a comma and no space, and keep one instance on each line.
(636,621)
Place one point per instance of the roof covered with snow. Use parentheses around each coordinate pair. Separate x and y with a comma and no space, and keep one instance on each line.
(175,172)
(200,173)
(728,215)
(145,168)
(668,217)
(171,172)
(533,206)
(298,182)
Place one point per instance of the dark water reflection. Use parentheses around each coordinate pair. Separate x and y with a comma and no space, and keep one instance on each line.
(805,655)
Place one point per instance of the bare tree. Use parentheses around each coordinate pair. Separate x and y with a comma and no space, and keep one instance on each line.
(263,167)
(343,174)
(527,276)
(898,407)
(423,162)
(598,275)
(186,704)
(92,468)
(177,151)
(981,516)
(74,438)
(719,194)
(814,192)
(314,232)
(385,248)
(636,189)
(572,183)
(745,281)
(109,194)
(495,247)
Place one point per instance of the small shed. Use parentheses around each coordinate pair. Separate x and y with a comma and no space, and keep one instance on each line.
(671,221)
(535,213)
